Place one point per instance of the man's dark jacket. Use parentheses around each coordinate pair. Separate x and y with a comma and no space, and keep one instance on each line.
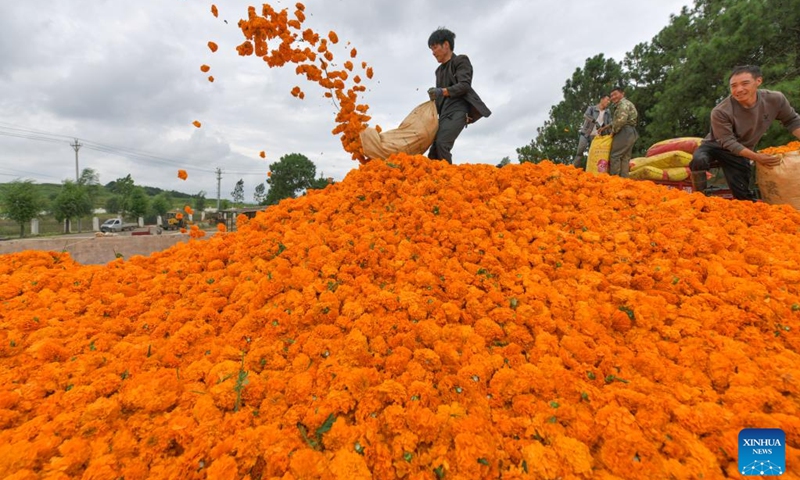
(456,76)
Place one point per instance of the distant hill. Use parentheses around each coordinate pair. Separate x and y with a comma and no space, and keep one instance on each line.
(51,190)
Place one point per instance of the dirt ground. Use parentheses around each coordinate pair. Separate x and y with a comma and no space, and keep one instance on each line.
(94,249)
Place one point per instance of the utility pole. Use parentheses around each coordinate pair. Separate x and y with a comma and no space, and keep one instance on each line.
(77,146)
(219,186)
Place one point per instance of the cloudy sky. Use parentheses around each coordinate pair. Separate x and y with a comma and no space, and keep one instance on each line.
(124,79)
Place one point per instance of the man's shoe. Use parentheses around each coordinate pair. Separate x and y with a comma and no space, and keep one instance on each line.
(699,181)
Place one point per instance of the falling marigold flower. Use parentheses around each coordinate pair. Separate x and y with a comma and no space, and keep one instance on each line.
(182,174)
(353,53)
(262,154)
(197,124)
(269,173)
(204,68)
(214,10)
(213,46)
(369,72)
(333,37)
(300,6)
(179,216)
(188,210)
(211,78)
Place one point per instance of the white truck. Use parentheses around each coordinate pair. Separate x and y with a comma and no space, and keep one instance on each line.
(116,225)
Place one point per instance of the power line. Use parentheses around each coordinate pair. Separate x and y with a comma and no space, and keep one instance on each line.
(11,130)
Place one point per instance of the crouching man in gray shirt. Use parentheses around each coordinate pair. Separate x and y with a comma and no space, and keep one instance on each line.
(737,124)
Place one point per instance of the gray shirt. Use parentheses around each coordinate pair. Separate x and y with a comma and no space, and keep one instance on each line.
(734,127)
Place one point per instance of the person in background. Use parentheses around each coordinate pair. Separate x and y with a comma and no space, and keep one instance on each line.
(737,124)
(456,102)
(623,129)
(594,118)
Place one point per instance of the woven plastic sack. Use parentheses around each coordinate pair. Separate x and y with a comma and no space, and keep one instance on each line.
(781,184)
(682,144)
(414,135)
(599,153)
(664,160)
(675,174)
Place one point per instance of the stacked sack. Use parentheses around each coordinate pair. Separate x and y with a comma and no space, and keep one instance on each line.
(666,160)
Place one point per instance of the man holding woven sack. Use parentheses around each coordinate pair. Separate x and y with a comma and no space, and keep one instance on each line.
(456,102)
(623,129)
(737,124)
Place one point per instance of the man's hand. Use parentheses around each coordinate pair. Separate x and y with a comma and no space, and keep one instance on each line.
(435,93)
(766,160)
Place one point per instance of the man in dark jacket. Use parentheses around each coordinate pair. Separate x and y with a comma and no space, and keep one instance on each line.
(456,102)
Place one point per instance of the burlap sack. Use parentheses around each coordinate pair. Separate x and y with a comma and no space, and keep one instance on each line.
(781,184)
(414,135)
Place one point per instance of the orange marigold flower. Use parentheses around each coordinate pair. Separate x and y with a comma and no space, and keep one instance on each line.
(204,68)
(333,37)
(212,46)
(262,154)
(197,124)
(179,216)
(182,174)
(353,53)
(214,10)
(188,210)
(211,78)
(221,227)
(369,72)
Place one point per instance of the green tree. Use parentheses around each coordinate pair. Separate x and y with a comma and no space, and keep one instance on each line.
(21,201)
(200,201)
(319,183)
(238,193)
(72,202)
(677,78)
(291,175)
(138,203)
(505,161)
(160,205)
(123,188)
(557,139)
(90,180)
(260,193)
(114,204)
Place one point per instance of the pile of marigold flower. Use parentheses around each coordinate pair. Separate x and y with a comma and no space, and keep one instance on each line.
(315,61)
(790,147)
(417,320)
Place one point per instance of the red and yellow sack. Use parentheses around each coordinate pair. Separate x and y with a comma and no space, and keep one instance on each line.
(671,159)
(682,144)
(675,174)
